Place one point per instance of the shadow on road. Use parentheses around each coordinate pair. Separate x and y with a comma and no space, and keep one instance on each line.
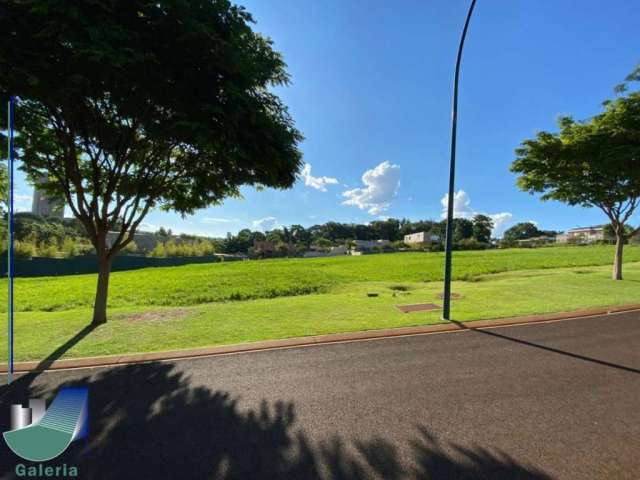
(548,349)
(148,422)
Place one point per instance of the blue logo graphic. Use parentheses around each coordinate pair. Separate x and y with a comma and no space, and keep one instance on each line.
(38,434)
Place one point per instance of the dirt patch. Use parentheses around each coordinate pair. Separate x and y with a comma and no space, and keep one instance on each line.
(418,307)
(155,315)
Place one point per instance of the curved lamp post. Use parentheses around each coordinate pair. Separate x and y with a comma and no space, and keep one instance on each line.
(446,307)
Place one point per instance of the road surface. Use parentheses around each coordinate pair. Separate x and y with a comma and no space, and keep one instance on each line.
(554,400)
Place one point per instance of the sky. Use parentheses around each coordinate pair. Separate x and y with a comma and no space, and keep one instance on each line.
(371,92)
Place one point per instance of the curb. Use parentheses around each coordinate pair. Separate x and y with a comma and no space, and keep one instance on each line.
(114,360)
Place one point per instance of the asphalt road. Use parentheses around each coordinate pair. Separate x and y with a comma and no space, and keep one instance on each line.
(555,400)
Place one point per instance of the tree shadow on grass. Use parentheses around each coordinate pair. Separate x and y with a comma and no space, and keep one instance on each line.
(24,381)
(148,422)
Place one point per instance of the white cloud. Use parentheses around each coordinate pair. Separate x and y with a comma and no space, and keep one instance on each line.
(462,209)
(266,224)
(500,222)
(213,220)
(461,205)
(381,185)
(23,198)
(319,183)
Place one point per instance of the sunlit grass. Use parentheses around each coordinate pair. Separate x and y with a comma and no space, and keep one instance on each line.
(343,307)
(236,281)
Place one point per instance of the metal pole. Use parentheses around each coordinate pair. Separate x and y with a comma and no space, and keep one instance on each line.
(446,307)
(10,240)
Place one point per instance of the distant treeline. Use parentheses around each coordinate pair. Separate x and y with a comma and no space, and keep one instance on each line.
(476,230)
(54,237)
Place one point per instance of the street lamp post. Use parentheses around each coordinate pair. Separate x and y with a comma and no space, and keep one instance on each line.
(446,307)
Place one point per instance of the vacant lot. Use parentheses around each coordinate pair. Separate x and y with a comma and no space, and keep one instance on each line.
(233,281)
(203,305)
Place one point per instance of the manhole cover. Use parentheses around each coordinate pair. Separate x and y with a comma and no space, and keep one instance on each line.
(454,296)
(418,307)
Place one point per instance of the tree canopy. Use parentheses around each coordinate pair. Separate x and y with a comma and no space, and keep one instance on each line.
(125,106)
(593,163)
(521,231)
(482,228)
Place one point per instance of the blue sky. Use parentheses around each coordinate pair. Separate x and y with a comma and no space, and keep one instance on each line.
(371,92)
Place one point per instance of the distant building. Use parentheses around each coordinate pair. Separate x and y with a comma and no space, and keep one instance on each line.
(145,241)
(421,237)
(535,241)
(45,206)
(583,235)
(360,246)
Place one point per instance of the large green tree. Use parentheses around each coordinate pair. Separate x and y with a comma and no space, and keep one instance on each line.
(520,231)
(462,229)
(593,163)
(130,105)
(482,228)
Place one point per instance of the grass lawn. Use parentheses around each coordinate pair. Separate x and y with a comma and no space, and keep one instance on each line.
(532,281)
(205,283)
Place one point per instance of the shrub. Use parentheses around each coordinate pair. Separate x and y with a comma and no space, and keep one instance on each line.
(69,247)
(471,244)
(186,248)
(24,249)
(159,250)
(130,248)
(210,247)
(84,248)
(436,247)
(48,249)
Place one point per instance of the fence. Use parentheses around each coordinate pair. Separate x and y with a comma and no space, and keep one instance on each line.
(42,267)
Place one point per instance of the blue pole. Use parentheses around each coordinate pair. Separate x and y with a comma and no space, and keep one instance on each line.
(10,241)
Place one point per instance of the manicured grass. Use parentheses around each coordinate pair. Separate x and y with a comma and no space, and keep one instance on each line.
(205,283)
(344,307)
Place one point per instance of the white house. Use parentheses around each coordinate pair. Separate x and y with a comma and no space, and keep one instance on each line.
(420,237)
(582,235)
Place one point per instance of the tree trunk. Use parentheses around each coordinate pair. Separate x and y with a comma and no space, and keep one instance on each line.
(102,291)
(617,261)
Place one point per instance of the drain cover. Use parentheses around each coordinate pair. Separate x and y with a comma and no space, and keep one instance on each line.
(418,307)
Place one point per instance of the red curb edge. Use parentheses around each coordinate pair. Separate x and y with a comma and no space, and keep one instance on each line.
(113,360)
